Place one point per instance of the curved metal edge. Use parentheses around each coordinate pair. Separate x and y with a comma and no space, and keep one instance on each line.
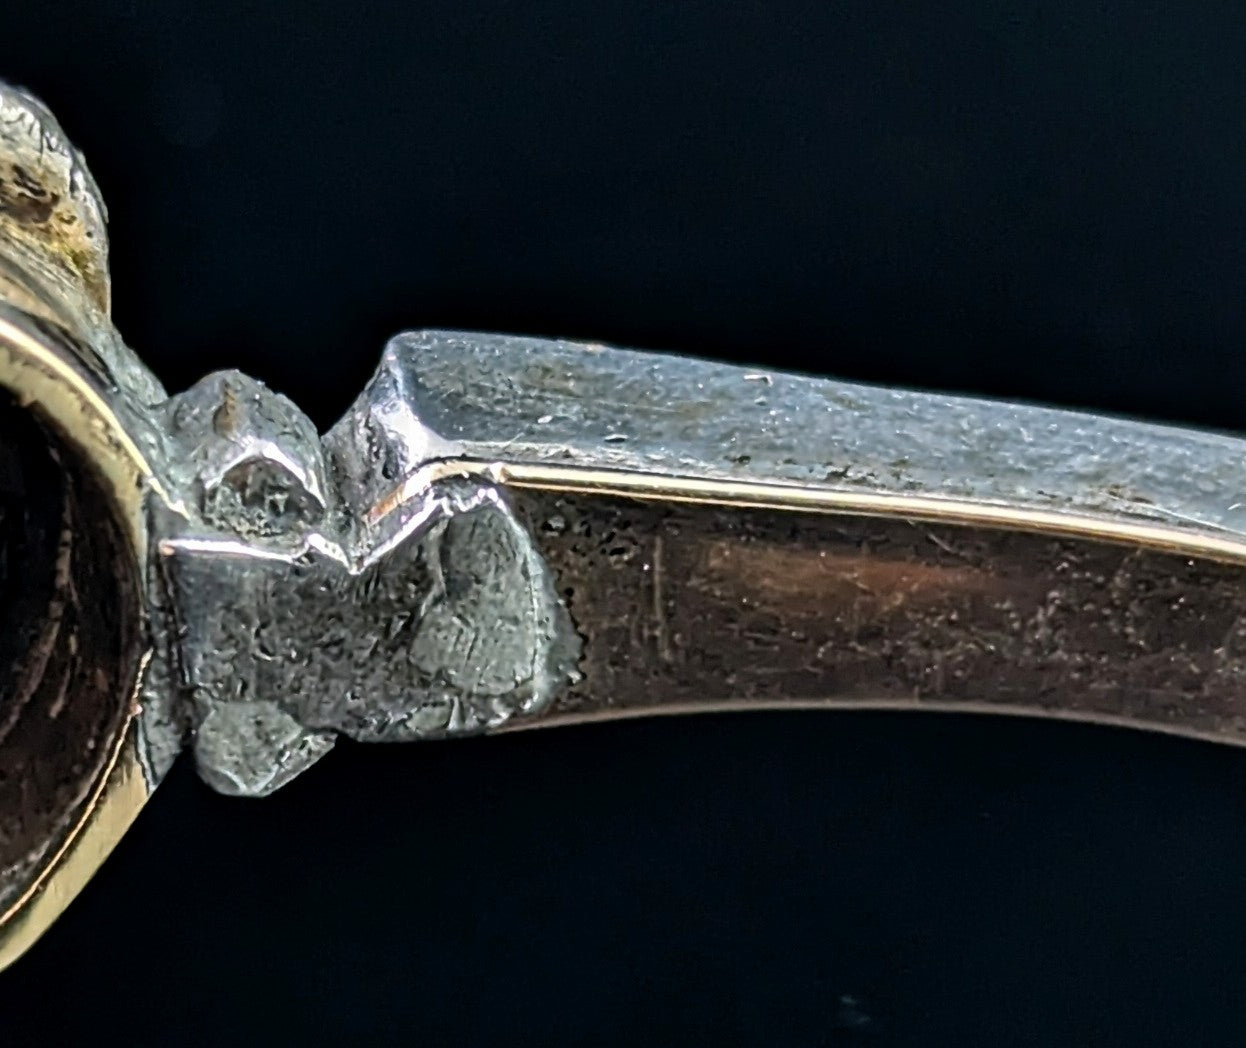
(120,796)
(1204,542)
(880,705)
(87,416)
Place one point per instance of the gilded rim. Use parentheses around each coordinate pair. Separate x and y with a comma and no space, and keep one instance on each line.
(41,376)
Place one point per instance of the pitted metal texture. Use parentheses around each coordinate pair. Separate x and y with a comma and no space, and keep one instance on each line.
(308,601)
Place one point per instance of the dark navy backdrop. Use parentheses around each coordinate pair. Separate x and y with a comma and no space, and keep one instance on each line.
(984,197)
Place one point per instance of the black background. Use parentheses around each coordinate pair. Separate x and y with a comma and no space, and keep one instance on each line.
(1047,204)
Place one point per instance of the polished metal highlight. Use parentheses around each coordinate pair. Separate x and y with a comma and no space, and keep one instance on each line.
(505,533)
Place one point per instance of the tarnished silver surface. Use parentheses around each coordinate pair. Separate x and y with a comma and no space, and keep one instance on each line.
(54,224)
(500,398)
(381,588)
(306,601)
(504,532)
(377,583)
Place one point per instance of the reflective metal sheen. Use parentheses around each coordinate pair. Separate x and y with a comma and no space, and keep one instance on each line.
(505,533)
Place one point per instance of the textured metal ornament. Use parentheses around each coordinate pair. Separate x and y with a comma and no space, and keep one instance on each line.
(506,532)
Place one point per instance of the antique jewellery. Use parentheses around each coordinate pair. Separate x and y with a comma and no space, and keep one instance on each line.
(505,533)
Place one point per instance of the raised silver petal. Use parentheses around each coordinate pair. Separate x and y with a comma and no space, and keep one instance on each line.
(308,601)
